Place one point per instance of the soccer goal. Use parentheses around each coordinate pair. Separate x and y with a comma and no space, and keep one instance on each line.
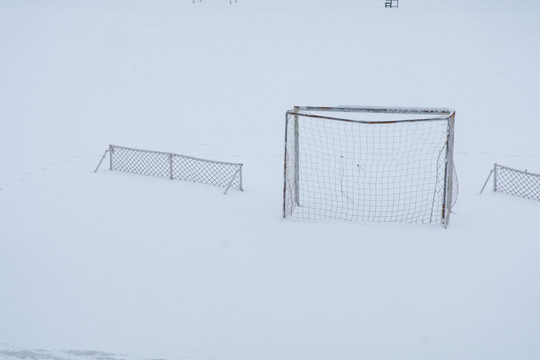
(369,164)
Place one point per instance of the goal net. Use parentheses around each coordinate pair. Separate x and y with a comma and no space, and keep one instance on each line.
(369,164)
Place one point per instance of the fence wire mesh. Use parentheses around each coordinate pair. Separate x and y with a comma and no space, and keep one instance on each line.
(176,167)
(214,173)
(517,182)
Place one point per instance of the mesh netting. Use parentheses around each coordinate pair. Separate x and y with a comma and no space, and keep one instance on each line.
(367,171)
(176,167)
(516,182)
(206,172)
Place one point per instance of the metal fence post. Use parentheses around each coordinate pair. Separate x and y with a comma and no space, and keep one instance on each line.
(241,185)
(102,158)
(111,152)
(170,166)
(239,173)
(495,177)
(485,183)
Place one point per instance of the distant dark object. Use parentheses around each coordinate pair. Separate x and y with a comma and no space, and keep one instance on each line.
(230,1)
(391,3)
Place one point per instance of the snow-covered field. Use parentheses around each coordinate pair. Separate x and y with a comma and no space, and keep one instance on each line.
(96,265)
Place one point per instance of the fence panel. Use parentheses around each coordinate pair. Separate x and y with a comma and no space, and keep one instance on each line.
(140,161)
(176,167)
(517,182)
(206,172)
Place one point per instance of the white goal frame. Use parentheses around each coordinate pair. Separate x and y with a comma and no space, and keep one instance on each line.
(311,169)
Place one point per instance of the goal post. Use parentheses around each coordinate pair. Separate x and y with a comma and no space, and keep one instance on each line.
(369,164)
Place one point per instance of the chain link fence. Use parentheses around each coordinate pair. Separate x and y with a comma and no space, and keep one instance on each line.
(515,182)
(174,167)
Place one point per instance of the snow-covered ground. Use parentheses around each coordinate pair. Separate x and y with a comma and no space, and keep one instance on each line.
(93,265)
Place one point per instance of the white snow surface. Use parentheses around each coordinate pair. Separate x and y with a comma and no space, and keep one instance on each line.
(95,265)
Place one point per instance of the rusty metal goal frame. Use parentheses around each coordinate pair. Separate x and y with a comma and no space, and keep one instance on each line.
(337,167)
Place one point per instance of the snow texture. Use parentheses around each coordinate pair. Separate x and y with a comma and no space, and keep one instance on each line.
(152,268)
